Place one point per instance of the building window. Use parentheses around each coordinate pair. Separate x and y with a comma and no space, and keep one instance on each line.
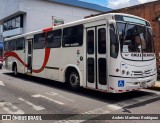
(54,39)
(16,22)
(73,36)
(39,41)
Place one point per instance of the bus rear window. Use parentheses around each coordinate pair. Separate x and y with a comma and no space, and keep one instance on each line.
(73,36)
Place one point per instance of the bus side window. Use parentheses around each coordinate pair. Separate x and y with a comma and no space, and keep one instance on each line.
(39,41)
(6,46)
(12,45)
(114,46)
(54,39)
(73,36)
(20,44)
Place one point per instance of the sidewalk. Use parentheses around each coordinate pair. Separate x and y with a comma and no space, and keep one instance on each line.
(156,86)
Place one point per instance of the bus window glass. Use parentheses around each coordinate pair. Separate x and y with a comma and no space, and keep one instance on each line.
(90,42)
(114,45)
(54,39)
(149,39)
(137,39)
(39,41)
(12,45)
(73,36)
(102,41)
(146,39)
(102,71)
(91,70)
(20,44)
(6,46)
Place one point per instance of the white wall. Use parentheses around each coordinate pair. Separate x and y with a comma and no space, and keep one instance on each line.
(8,7)
(40,12)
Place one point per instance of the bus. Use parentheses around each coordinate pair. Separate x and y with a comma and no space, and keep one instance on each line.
(112,53)
(1,54)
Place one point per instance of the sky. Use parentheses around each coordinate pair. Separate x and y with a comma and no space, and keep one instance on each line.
(116,4)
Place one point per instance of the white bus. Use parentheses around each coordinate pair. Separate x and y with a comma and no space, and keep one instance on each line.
(111,52)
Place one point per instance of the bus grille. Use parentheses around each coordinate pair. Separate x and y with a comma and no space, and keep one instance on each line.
(140,73)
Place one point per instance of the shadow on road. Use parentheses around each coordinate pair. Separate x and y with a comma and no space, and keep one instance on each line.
(101,96)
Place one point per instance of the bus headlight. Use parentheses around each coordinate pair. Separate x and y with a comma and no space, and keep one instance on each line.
(123,72)
(127,73)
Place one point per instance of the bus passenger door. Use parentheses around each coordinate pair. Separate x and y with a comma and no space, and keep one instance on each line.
(96,58)
(29,51)
(91,56)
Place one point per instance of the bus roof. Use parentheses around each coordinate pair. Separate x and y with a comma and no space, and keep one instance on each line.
(82,21)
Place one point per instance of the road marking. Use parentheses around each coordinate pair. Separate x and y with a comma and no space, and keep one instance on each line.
(60,96)
(1,83)
(52,100)
(91,114)
(109,108)
(37,108)
(7,105)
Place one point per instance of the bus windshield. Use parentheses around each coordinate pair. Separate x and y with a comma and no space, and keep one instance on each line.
(135,38)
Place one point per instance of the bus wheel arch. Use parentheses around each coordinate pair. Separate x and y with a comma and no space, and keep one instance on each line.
(14,68)
(73,77)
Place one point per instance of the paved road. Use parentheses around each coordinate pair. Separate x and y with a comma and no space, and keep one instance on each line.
(31,95)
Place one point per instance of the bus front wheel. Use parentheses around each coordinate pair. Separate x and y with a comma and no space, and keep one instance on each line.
(73,80)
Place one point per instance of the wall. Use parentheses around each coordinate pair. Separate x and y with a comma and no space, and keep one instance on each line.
(8,7)
(39,14)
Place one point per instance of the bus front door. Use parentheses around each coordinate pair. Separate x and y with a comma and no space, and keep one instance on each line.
(29,55)
(96,58)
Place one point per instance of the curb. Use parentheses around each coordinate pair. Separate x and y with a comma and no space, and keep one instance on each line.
(156,87)
(157,84)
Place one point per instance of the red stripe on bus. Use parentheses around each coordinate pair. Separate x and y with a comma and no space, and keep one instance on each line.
(47,54)
(120,90)
(47,29)
(13,54)
(111,88)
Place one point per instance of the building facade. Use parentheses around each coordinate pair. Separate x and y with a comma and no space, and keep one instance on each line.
(22,16)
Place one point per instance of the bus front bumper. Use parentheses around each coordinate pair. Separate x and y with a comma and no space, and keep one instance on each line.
(120,84)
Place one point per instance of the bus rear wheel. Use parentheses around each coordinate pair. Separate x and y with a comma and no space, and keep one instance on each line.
(15,70)
(73,80)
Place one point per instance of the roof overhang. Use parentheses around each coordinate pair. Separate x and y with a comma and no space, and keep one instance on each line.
(82,4)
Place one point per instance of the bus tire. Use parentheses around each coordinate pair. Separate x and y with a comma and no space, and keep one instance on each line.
(73,80)
(15,70)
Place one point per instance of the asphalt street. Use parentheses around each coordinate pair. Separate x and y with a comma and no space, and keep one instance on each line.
(30,95)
